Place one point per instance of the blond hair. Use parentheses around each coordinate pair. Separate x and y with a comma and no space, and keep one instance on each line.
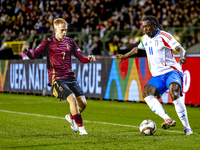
(59,21)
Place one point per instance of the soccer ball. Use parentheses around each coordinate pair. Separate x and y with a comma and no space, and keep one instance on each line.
(147,127)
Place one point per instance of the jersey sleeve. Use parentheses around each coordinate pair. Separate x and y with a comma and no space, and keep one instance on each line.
(78,54)
(173,43)
(38,50)
(169,40)
(141,45)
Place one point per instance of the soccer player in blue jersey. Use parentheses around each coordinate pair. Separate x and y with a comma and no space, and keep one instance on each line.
(58,50)
(166,72)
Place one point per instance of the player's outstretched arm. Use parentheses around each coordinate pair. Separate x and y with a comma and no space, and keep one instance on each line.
(132,52)
(91,58)
(26,51)
(182,53)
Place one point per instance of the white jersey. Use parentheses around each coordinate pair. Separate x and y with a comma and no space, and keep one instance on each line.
(159,52)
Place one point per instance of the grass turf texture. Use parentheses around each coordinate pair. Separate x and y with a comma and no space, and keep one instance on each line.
(37,122)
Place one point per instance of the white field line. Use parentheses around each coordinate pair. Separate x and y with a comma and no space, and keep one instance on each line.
(105,123)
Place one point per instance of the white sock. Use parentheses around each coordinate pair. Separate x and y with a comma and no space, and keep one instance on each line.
(156,107)
(182,112)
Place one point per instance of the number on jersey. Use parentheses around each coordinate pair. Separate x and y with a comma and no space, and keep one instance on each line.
(151,50)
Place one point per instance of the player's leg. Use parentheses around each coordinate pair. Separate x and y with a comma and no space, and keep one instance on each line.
(148,94)
(75,113)
(155,87)
(175,87)
(73,104)
(81,103)
(62,91)
(77,90)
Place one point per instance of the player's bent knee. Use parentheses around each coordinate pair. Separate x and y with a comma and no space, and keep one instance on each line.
(82,99)
(174,91)
(149,90)
(82,103)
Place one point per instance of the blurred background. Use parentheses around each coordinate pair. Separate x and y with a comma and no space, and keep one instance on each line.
(99,27)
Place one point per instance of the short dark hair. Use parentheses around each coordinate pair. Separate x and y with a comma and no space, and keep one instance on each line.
(153,20)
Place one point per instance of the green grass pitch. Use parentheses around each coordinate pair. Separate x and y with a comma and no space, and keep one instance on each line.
(37,123)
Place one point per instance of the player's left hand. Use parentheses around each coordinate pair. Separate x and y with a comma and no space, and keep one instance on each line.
(182,61)
(91,58)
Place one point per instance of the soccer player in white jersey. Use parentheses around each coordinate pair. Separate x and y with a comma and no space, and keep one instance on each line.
(166,72)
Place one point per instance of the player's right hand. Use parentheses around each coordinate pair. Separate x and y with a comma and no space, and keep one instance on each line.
(25,49)
(120,56)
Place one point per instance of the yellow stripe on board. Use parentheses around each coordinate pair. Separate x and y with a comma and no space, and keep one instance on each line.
(3,76)
(133,94)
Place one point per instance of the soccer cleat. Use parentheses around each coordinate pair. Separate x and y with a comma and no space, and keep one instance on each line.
(188,131)
(82,131)
(72,123)
(168,123)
